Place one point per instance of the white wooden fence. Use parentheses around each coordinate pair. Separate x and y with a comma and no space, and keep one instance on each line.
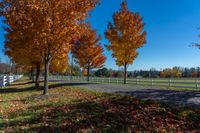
(190,83)
(6,80)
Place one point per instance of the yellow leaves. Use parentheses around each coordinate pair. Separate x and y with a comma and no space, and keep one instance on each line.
(59,63)
(126,35)
(174,72)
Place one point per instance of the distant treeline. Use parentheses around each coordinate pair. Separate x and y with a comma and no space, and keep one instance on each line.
(176,72)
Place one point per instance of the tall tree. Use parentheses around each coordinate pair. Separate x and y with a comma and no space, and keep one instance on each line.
(88,51)
(126,35)
(46,25)
(19,37)
(14,48)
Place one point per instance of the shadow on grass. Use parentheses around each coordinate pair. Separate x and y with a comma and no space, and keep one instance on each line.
(119,114)
(73,118)
(22,83)
(16,90)
(13,87)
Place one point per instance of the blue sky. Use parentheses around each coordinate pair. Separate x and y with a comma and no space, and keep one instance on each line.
(171,27)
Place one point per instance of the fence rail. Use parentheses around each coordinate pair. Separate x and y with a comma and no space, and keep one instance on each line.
(6,80)
(190,83)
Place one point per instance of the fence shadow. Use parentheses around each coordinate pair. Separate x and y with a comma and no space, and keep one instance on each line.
(19,87)
(16,90)
(17,84)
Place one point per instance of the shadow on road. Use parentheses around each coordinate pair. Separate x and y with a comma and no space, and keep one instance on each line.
(180,98)
(69,84)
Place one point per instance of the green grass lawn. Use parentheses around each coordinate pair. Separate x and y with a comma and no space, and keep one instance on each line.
(68,109)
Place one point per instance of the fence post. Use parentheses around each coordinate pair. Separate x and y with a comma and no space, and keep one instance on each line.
(4,81)
(8,80)
(117,81)
(170,83)
(109,80)
(152,82)
(197,86)
(1,81)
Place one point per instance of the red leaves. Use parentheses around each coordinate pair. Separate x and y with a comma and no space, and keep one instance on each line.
(145,117)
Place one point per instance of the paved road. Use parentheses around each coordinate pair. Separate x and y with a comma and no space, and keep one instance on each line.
(173,97)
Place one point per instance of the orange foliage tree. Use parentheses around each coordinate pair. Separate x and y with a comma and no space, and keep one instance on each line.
(168,73)
(48,25)
(126,35)
(59,64)
(19,35)
(20,52)
(88,51)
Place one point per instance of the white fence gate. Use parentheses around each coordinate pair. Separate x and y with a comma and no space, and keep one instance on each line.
(6,80)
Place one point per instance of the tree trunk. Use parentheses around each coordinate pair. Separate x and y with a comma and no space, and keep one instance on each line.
(32,74)
(72,65)
(125,72)
(37,76)
(46,77)
(88,74)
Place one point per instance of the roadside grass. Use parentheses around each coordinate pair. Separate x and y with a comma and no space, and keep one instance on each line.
(74,110)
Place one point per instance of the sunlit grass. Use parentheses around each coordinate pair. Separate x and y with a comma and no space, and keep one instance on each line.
(23,108)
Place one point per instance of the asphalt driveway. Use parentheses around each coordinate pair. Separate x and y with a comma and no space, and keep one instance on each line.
(172,97)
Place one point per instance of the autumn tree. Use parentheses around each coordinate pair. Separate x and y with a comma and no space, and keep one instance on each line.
(166,73)
(88,51)
(22,58)
(126,35)
(175,72)
(59,64)
(14,48)
(47,25)
(19,35)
